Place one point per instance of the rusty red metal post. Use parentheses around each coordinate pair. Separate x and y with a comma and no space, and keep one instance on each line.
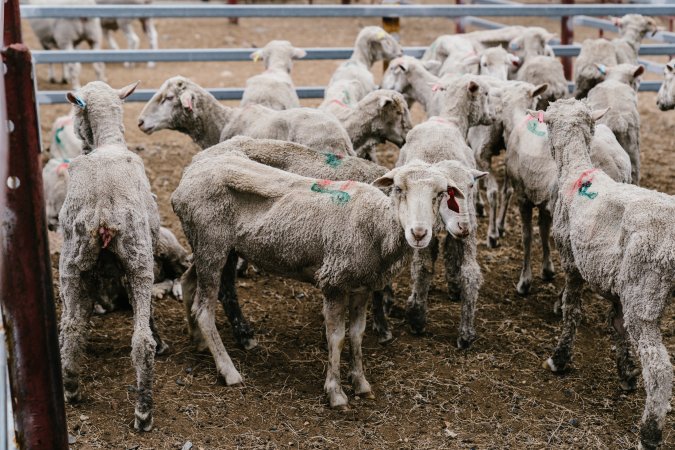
(26,293)
(567,38)
(459,25)
(233,20)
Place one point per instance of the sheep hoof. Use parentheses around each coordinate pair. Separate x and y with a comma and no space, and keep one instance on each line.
(366,395)
(234,379)
(492,242)
(480,210)
(249,343)
(385,337)
(162,348)
(548,364)
(523,287)
(547,274)
(143,422)
(73,396)
(501,231)
(465,343)
(628,385)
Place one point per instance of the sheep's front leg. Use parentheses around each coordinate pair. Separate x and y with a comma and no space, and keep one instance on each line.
(525,280)
(493,203)
(188,283)
(422,271)
(77,289)
(143,344)
(132,38)
(243,333)
(507,192)
(357,326)
(150,30)
(99,67)
(460,257)
(71,70)
(625,359)
(382,303)
(334,314)
(545,220)
(657,373)
(162,347)
(571,306)
(203,310)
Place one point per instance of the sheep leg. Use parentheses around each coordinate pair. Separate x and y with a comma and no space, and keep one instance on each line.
(133,40)
(203,310)
(334,313)
(162,347)
(480,202)
(382,301)
(545,220)
(143,344)
(77,293)
(357,326)
(150,30)
(71,70)
(99,67)
(657,373)
(188,286)
(422,271)
(241,328)
(571,307)
(625,358)
(459,257)
(525,280)
(507,192)
(493,203)
(112,43)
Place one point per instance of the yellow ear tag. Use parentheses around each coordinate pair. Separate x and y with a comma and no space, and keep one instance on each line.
(256,57)
(381,35)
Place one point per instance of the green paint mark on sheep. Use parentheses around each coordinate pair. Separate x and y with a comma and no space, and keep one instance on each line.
(347,99)
(338,197)
(583,190)
(532,128)
(333,160)
(57,138)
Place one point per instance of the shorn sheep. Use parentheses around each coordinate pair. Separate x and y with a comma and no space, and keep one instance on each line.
(182,105)
(412,78)
(63,142)
(109,214)
(620,239)
(295,226)
(353,80)
(666,97)
(274,87)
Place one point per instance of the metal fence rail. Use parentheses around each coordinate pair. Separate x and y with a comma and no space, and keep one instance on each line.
(299,11)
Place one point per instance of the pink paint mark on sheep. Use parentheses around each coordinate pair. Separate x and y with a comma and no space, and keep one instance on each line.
(582,181)
(62,167)
(106,236)
(338,102)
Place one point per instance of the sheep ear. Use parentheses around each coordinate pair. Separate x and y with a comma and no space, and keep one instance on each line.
(539,90)
(299,53)
(549,37)
(186,100)
(639,71)
(128,90)
(477,174)
(598,113)
(515,61)
(670,67)
(616,21)
(76,100)
(403,65)
(385,181)
(256,55)
(457,191)
(472,87)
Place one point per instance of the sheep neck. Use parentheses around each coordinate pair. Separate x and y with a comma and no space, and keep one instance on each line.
(361,54)
(207,122)
(632,37)
(571,149)
(420,81)
(359,127)
(107,127)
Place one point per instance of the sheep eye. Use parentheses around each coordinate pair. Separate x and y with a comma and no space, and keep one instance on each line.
(397,190)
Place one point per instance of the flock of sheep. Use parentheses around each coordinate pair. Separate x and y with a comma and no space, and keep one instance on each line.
(298,192)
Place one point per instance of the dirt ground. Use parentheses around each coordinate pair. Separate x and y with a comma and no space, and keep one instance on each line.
(430,395)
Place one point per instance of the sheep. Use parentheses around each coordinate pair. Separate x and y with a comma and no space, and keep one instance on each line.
(295,226)
(440,139)
(619,239)
(182,105)
(618,92)
(64,143)
(532,42)
(380,116)
(66,34)
(494,61)
(353,80)
(412,78)
(111,25)
(530,170)
(274,87)
(109,213)
(666,98)
(301,160)
(538,70)
(597,54)
(55,184)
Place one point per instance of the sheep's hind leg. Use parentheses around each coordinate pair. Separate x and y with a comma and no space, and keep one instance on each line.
(162,347)
(493,205)
(525,280)
(188,284)
(77,292)
(422,271)
(382,301)
(241,328)
(150,30)
(547,271)
(571,306)
(625,359)
(507,192)
(132,38)
(334,314)
(357,326)
(459,256)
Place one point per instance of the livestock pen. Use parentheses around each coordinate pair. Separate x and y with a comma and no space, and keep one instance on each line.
(429,394)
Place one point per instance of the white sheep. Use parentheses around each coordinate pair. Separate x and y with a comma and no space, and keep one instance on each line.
(618,92)
(494,62)
(666,97)
(380,116)
(620,239)
(55,184)
(126,25)
(295,226)
(63,142)
(532,42)
(413,78)
(546,70)
(182,105)
(66,34)
(353,80)
(274,87)
(109,213)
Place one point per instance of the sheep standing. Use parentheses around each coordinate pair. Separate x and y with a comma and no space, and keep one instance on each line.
(63,142)
(274,87)
(126,25)
(183,105)
(66,34)
(353,80)
(294,226)
(380,116)
(438,139)
(55,183)
(620,239)
(618,92)
(538,70)
(109,213)
(666,97)
(412,78)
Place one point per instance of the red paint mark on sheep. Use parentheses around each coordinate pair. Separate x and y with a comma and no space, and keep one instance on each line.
(106,236)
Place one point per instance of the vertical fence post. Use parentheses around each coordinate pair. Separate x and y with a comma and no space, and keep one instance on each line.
(26,294)
(233,20)
(567,38)
(459,23)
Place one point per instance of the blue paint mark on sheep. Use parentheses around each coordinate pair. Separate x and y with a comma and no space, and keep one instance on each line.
(583,190)
(338,197)
(333,159)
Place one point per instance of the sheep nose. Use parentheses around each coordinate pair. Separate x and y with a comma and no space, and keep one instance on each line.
(419,233)
(140,123)
(463,228)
